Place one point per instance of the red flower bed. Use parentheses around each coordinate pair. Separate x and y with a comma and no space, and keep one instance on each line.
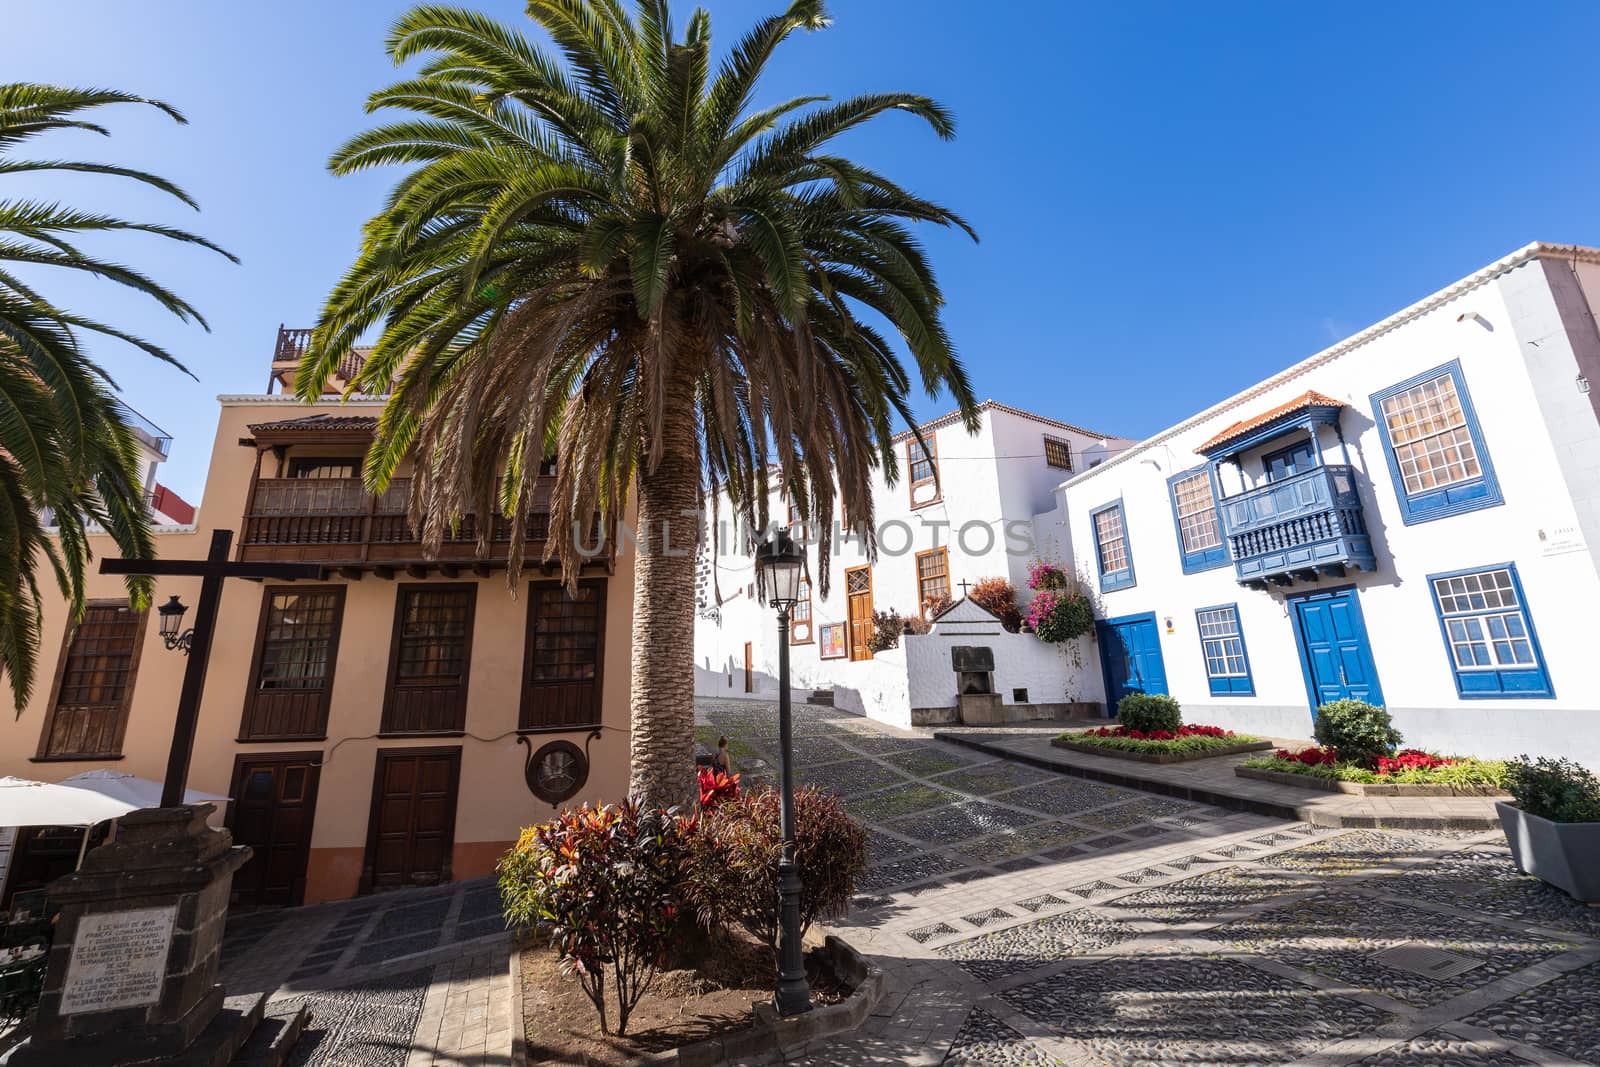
(1159,735)
(1410,759)
(1311,757)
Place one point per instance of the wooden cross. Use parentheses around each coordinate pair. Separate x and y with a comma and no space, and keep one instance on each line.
(211,571)
(963,584)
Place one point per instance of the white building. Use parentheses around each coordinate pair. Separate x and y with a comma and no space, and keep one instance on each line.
(1411,517)
(974,521)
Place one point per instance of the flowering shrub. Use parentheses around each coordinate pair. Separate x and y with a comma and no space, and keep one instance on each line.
(732,875)
(1160,735)
(604,883)
(1043,575)
(1149,711)
(933,607)
(1185,740)
(1361,732)
(715,787)
(887,626)
(1059,611)
(999,598)
(1409,767)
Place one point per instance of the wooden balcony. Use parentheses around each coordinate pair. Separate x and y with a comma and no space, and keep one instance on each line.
(1303,527)
(337,522)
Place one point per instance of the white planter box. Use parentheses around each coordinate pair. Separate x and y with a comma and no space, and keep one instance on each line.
(1565,854)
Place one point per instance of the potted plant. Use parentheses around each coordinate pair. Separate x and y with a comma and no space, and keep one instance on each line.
(1553,826)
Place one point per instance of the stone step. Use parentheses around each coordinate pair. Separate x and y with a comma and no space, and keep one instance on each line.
(822,697)
(274,1038)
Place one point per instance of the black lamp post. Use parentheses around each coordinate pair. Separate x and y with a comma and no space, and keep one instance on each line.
(781,562)
(172,613)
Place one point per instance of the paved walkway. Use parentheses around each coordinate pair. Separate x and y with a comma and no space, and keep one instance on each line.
(1213,781)
(406,979)
(1028,917)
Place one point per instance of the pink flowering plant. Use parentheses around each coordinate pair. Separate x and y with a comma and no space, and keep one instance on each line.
(1059,610)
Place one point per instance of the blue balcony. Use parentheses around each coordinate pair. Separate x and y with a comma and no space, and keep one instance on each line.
(1305,526)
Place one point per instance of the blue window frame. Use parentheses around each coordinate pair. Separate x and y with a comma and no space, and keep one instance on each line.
(1222,646)
(1287,462)
(1112,555)
(1430,434)
(1488,633)
(1194,512)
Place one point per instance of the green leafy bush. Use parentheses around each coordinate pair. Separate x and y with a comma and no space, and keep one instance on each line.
(1358,731)
(1460,771)
(732,874)
(887,626)
(1149,712)
(605,884)
(1555,789)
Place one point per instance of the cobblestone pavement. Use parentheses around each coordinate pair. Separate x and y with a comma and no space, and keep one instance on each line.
(1023,918)
(412,978)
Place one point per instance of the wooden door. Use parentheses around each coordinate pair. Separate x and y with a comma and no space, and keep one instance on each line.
(749,669)
(274,804)
(413,822)
(858,602)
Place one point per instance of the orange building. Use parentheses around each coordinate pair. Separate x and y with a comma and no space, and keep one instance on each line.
(384,725)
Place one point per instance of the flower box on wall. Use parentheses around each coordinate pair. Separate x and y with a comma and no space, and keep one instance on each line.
(1565,854)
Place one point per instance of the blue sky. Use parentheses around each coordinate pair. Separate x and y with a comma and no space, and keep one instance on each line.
(1174,200)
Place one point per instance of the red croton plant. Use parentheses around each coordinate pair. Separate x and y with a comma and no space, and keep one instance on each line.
(1405,760)
(715,787)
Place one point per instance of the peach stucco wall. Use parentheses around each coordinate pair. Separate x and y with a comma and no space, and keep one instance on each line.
(493,802)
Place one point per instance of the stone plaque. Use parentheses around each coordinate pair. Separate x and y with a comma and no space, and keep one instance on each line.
(119,960)
(972,658)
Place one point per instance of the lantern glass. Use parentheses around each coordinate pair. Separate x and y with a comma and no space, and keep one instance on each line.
(781,562)
(171,613)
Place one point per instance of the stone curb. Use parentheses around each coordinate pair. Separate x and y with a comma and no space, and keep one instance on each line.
(768,1037)
(1160,757)
(1369,789)
(1258,806)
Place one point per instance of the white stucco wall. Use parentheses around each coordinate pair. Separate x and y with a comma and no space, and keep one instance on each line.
(988,479)
(1540,433)
(1052,674)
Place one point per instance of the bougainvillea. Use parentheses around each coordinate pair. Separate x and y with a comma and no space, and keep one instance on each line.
(1060,615)
(1043,575)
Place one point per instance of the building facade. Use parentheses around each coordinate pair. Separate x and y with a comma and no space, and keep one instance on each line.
(1411,517)
(962,511)
(395,721)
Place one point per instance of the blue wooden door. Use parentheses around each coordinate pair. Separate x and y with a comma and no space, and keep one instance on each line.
(1130,655)
(1334,650)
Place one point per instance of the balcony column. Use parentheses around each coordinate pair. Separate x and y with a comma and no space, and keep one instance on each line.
(1344,449)
(1316,443)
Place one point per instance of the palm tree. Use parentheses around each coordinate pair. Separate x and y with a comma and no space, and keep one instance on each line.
(604,253)
(67,456)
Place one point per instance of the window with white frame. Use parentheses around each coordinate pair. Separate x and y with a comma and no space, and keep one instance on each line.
(1434,447)
(1489,634)
(1222,645)
(1111,548)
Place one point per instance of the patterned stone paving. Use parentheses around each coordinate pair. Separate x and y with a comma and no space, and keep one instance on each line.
(364,1025)
(985,1041)
(1025,918)
(1188,1010)
(1034,944)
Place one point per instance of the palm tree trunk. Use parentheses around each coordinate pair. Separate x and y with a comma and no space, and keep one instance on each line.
(661,769)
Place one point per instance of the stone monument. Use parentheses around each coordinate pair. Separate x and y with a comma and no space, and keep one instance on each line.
(132,976)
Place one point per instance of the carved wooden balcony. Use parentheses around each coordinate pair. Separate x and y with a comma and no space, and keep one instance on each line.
(1300,527)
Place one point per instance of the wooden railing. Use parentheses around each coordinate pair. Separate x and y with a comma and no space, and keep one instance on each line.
(335,520)
(1307,523)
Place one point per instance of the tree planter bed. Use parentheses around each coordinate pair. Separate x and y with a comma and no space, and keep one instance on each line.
(1367,789)
(765,1034)
(1161,757)
(1565,854)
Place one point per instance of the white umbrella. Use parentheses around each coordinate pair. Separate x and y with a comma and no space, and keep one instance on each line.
(132,790)
(82,800)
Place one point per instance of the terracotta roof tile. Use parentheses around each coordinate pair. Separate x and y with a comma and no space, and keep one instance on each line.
(352,423)
(1309,399)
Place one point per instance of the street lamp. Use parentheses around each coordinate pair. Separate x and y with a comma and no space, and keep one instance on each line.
(172,613)
(780,562)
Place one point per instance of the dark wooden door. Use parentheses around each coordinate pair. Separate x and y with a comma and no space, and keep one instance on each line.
(413,822)
(858,602)
(274,804)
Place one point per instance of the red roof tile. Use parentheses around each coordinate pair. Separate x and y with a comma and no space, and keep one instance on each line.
(1309,399)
